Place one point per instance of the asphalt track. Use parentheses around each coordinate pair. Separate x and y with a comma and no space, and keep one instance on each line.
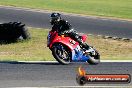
(26,74)
(92,25)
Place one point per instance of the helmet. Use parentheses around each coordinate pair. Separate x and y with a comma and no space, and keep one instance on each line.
(54,17)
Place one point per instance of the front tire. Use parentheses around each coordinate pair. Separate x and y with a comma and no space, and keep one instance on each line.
(61,53)
(93,60)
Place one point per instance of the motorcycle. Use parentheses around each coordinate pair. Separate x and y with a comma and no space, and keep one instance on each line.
(66,50)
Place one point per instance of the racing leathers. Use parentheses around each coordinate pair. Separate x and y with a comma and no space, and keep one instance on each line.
(63,27)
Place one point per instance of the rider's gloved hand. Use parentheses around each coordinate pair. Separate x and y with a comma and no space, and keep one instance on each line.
(61,33)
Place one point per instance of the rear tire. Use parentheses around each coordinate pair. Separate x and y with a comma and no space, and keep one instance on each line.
(58,53)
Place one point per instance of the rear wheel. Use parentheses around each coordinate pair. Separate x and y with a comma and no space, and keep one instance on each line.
(94,59)
(61,53)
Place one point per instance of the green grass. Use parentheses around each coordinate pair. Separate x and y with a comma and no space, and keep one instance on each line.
(112,49)
(36,49)
(29,50)
(110,8)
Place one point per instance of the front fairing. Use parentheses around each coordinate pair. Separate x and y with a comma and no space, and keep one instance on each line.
(48,39)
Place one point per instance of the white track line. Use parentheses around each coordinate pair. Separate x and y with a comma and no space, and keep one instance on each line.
(94,86)
(116,60)
(57,62)
(79,87)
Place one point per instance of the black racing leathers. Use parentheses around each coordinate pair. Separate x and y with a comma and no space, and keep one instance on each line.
(63,27)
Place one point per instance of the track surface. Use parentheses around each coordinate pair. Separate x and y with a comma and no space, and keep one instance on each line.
(14,74)
(93,25)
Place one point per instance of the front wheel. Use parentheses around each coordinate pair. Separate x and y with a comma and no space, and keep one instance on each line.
(94,59)
(61,53)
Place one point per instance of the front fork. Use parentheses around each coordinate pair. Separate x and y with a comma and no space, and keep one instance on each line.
(91,51)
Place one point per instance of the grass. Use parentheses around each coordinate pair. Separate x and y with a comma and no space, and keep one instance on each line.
(29,50)
(36,49)
(112,49)
(109,8)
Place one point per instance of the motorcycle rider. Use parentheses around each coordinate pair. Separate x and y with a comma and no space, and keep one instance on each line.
(63,27)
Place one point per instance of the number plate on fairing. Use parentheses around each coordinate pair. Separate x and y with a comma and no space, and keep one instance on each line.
(72,42)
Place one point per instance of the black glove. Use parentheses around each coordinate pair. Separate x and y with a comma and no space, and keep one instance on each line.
(61,33)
